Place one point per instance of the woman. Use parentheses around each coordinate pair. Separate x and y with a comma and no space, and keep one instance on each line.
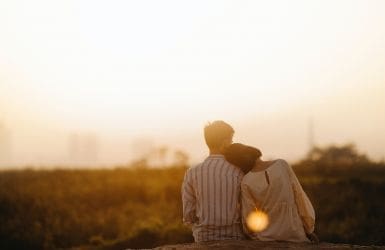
(273,188)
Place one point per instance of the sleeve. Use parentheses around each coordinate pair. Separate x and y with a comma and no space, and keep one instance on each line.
(188,200)
(305,208)
(248,206)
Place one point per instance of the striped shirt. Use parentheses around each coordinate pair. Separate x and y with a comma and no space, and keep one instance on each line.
(210,196)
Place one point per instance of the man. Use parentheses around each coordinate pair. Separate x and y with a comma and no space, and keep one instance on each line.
(211,190)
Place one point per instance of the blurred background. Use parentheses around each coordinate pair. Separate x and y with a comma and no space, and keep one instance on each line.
(103,104)
(92,83)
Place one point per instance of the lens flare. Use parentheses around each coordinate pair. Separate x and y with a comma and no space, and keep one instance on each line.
(257,221)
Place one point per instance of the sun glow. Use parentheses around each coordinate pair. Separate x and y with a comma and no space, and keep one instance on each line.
(138,59)
(153,67)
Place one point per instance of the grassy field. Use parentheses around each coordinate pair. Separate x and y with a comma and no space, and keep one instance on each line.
(141,207)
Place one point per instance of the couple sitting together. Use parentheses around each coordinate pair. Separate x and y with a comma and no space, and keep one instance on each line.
(232,183)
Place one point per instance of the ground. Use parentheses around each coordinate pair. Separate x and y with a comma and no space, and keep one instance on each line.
(246,244)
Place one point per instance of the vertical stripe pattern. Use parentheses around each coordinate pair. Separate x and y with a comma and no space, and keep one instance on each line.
(210,197)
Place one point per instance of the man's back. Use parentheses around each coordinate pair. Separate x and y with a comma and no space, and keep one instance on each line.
(210,195)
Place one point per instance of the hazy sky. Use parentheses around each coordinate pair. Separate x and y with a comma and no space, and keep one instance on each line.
(126,70)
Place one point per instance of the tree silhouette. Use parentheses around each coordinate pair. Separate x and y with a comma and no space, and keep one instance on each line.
(335,157)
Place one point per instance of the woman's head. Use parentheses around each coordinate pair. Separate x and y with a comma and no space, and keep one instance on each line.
(242,156)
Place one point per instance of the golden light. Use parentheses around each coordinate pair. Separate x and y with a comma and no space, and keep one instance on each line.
(155,70)
(257,221)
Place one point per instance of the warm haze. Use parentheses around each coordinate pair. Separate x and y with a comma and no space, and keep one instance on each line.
(149,73)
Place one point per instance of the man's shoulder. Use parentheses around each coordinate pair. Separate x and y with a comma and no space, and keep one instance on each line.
(219,162)
(193,168)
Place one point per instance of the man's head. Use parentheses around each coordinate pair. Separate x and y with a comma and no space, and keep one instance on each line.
(218,136)
(242,156)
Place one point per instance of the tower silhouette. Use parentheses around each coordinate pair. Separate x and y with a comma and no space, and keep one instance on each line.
(311,143)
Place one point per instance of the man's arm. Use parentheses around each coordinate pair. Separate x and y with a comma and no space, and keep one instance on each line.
(188,200)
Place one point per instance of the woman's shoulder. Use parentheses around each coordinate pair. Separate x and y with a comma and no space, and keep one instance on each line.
(282,162)
(279,165)
(251,177)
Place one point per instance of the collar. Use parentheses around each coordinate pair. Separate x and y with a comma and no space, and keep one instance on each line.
(216,156)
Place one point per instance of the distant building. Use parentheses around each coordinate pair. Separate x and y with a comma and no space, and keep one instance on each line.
(141,147)
(5,146)
(83,149)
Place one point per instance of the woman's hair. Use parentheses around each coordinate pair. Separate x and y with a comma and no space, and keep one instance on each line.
(242,156)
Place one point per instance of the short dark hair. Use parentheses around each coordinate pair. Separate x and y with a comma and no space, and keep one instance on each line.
(242,156)
(216,132)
